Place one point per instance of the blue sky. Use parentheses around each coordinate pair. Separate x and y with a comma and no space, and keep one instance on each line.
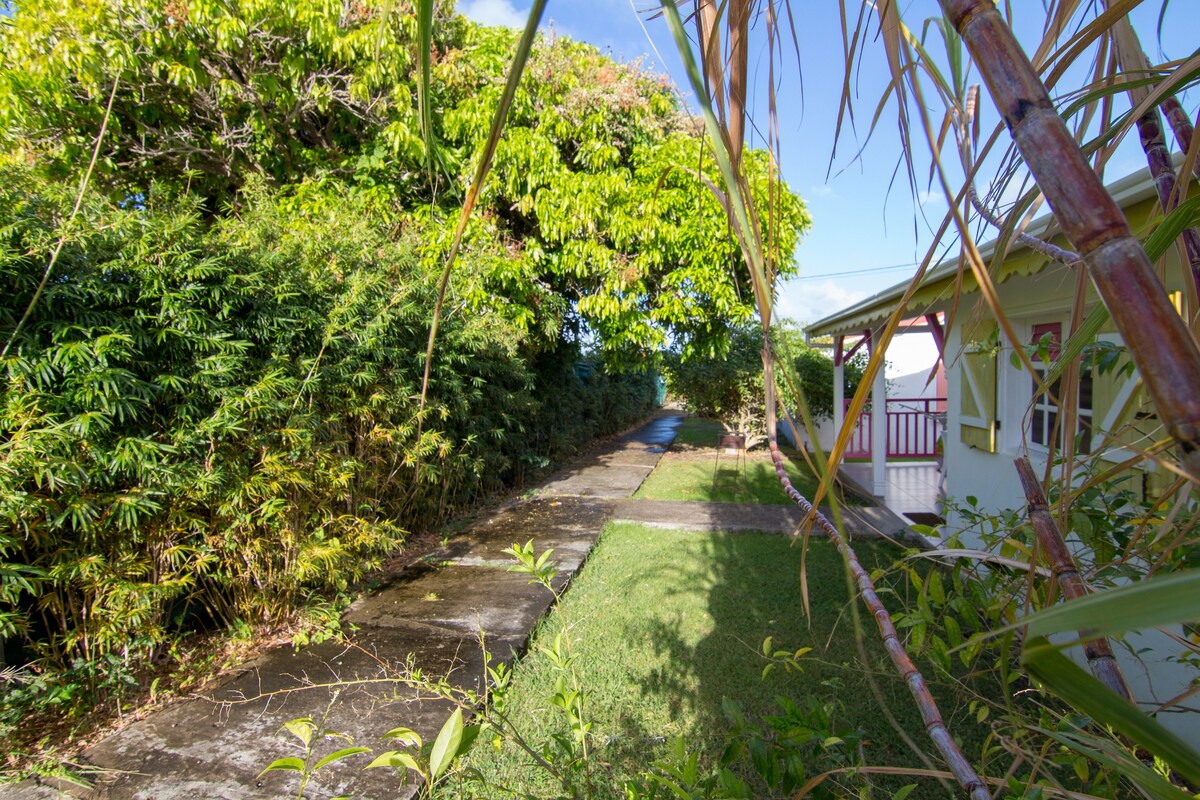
(859,225)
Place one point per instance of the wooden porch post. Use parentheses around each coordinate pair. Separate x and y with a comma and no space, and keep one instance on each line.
(939,335)
(879,435)
(839,384)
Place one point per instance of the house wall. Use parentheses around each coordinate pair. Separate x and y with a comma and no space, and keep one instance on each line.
(1147,659)
(991,477)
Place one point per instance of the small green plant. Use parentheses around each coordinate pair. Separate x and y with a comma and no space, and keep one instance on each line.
(310,735)
(680,777)
(565,755)
(433,762)
(537,567)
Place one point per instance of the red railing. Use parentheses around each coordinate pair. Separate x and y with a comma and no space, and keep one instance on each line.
(913,427)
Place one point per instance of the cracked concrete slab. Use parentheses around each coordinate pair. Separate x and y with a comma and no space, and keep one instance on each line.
(568,525)
(217,746)
(610,481)
(465,600)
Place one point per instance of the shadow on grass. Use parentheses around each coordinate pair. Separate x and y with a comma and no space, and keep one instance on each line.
(752,591)
(667,629)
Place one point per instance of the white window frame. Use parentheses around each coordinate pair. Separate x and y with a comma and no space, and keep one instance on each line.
(1016,387)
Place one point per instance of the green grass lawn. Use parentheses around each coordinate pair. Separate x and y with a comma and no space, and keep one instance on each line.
(701,477)
(691,470)
(667,628)
(697,432)
(694,478)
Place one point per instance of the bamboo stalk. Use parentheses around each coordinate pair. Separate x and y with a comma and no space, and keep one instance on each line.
(1098,651)
(964,773)
(1132,60)
(1159,342)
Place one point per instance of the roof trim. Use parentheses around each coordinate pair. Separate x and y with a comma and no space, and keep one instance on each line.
(940,280)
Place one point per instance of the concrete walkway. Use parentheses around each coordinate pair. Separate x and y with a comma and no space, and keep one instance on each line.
(873,522)
(427,618)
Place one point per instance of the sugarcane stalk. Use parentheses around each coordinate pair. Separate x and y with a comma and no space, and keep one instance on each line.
(1132,60)
(964,773)
(1181,126)
(1098,651)
(1159,342)
(965,126)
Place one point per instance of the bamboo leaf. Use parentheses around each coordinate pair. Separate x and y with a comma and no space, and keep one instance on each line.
(1075,685)
(424,10)
(1072,348)
(1142,776)
(1185,215)
(515,71)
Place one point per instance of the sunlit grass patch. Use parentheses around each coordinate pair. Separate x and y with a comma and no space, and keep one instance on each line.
(726,481)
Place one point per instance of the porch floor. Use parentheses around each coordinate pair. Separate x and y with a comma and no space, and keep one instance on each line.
(912,486)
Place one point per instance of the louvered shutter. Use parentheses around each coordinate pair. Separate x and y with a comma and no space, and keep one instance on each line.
(977,397)
(1121,413)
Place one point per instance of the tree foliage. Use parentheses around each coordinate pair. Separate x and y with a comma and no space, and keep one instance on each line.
(595,193)
(814,370)
(729,386)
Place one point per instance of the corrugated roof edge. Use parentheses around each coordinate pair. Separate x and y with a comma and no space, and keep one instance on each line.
(1132,188)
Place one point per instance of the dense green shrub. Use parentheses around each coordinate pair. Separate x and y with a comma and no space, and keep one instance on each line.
(225,416)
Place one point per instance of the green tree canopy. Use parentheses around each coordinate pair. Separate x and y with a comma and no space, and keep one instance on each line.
(596,198)
(210,368)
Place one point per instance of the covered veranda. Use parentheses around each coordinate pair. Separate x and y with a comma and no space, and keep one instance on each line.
(894,451)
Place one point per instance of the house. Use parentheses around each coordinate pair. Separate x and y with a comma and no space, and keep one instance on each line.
(995,411)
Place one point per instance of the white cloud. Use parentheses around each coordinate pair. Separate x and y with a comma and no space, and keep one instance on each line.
(809,301)
(493,12)
(931,197)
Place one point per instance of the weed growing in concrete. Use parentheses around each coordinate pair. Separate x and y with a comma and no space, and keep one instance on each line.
(311,734)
